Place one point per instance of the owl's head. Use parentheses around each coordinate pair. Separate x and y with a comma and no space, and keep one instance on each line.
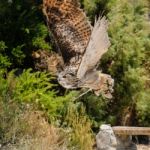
(67,79)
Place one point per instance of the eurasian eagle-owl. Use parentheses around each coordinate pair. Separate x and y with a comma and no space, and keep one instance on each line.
(81,46)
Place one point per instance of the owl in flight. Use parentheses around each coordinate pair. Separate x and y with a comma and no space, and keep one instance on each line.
(80,46)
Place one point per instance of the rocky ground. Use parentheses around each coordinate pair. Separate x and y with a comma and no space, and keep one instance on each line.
(143,147)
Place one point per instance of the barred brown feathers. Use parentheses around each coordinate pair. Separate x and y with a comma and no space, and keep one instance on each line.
(69,26)
(81,45)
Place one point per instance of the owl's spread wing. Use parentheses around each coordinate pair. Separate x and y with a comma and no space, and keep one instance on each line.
(69,26)
(98,45)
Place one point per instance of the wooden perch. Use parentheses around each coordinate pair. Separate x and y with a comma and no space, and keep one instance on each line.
(119,130)
(118,137)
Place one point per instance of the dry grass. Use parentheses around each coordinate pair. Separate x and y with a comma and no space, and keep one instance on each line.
(81,133)
(39,135)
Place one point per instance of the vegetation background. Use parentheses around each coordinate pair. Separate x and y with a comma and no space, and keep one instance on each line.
(35,112)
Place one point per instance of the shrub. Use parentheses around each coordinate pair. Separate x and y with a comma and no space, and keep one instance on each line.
(128,30)
(81,136)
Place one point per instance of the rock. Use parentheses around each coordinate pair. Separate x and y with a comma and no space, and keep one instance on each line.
(105,139)
(124,142)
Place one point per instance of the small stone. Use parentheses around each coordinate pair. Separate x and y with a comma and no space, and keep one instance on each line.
(105,139)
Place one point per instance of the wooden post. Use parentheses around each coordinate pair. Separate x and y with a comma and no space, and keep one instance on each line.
(118,137)
(123,130)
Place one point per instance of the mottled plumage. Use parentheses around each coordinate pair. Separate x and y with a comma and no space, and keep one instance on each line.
(81,45)
(69,26)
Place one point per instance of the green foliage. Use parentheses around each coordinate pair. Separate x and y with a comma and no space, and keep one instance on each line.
(22,29)
(38,89)
(29,86)
(143,111)
(89,6)
(97,109)
(4,60)
(35,88)
(18,54)
(128,31)
(81,135)
(11,125)
(127,60)
(95,8)
(2,46)
(39,40)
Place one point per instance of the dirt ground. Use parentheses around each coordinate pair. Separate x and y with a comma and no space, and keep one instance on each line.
(143,147)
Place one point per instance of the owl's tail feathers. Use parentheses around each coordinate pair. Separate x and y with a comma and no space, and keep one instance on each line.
(100,83)
(106,85)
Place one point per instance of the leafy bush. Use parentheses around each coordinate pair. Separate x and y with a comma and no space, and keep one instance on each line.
(129,34)
(35,88)
(4,59)
(98,110)
(127,60)
(23,30)
(95,8)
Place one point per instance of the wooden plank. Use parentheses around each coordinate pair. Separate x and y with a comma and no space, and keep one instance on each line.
(125,130)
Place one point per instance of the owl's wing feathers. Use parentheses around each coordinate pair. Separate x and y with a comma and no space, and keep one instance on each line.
(69,25)
(74,2)
(98,45)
